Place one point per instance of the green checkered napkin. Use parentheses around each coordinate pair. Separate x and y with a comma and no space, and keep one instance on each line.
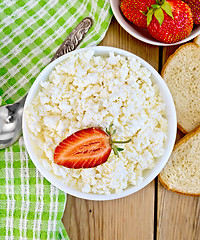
(30,33)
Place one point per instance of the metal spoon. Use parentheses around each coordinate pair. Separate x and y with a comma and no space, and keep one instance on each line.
(11,115)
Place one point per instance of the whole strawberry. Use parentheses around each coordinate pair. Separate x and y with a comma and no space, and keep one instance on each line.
(133,14)
(135,11)
(170,21)
(195,8)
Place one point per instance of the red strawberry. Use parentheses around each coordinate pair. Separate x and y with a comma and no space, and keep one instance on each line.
(86,148)
(143,5)
(195,8)
(133,14)
(170,21)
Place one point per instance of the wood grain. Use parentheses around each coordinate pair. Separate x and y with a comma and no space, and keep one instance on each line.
(129,218)
(178,216)
(119,38)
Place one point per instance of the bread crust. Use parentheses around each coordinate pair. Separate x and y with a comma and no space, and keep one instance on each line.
(166,64)
(178,144)
(187,137)
(173,190)
(197,40)
(177,50)
(181,129)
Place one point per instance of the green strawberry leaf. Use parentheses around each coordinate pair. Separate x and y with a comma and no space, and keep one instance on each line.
(116,150)
(155,6)
(111,125)
(114,147)
(107,131)
(149,16)
(114,131)
(167,8)
(143,12)
(159,15)
(120,149)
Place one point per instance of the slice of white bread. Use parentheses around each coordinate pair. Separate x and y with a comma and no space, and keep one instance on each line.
(181,73)
(182,172)
(197,40)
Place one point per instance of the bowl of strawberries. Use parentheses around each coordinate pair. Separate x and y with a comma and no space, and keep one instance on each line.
(159,22)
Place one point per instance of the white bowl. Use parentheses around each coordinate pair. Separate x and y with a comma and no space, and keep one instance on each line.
(141,33)
(150,174)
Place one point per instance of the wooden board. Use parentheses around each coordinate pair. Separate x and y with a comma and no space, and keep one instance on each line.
(153,213)
(128,218)
(178,216)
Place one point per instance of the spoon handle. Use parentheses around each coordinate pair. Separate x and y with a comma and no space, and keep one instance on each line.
(11,115)
(70,43)
(74,38)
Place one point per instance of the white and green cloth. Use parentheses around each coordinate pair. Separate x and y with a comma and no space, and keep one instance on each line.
(30,33)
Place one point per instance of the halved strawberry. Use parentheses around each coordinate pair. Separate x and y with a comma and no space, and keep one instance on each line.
(86,148)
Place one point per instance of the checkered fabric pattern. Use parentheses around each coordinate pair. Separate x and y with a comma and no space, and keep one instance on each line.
(31,32)
(31,208)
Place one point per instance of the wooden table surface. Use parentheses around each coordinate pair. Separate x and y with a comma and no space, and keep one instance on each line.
(153,212)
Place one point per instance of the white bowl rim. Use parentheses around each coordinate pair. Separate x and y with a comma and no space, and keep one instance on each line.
(127,27)
(90,196)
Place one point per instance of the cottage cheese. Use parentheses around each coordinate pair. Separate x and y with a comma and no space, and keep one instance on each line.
(92,91)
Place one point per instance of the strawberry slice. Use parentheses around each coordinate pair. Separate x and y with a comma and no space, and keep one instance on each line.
(86,148)
(83,149)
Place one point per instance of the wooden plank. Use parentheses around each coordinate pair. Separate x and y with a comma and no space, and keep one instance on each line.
(129,218)
(118,37)
(178,216)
